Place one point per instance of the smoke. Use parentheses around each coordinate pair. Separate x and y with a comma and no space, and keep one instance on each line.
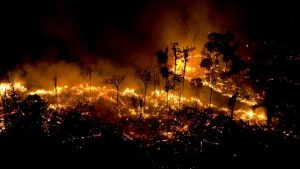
(76,36)
(129,35)
(40,75)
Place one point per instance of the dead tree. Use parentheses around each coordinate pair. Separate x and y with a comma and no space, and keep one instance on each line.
(55,87)
(89,72)
(231,103)
(116,81)
(185,60)
(176,56)
(12,83)
(155,77)
(156,81)
(145,77)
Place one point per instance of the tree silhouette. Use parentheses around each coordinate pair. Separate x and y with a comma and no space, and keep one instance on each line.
(155,78)
(88,72)
(231,103)
(162,59)
(55,87)
(116,81)
(175,50)
(185,60)
(207,63)
(166,74)
(145,76)
(225,46)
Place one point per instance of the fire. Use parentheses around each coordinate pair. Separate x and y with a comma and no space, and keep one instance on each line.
(156,101)
(9,86)
(258,115)
(225,88)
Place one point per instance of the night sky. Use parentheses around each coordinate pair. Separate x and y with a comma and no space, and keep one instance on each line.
(113,29)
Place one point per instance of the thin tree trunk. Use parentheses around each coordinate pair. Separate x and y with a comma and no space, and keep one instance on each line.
(232,110)
(145,97)
(167,98)
(55,88)
(117,97)
(182,90)
(226,65)
(167,91)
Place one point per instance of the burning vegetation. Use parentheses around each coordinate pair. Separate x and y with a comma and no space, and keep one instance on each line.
(211,80)
(158,82)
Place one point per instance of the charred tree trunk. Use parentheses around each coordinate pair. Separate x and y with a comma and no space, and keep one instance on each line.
(117,97)
(167,90)
(55,87)
(145,97)
(183,77)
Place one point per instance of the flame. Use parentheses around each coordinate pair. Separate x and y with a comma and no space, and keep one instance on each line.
(156,101)
(156,105)
(9,86)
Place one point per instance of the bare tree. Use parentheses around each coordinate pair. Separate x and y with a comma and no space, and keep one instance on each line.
(89,74)
(13,91)
(155,79)
(176,55)
(185,60)
(55,87)
(145,76)
(231,103)
(116,81)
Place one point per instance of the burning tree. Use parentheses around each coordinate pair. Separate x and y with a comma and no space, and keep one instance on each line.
(116,81)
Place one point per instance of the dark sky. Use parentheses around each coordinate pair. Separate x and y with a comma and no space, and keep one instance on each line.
(39,30)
